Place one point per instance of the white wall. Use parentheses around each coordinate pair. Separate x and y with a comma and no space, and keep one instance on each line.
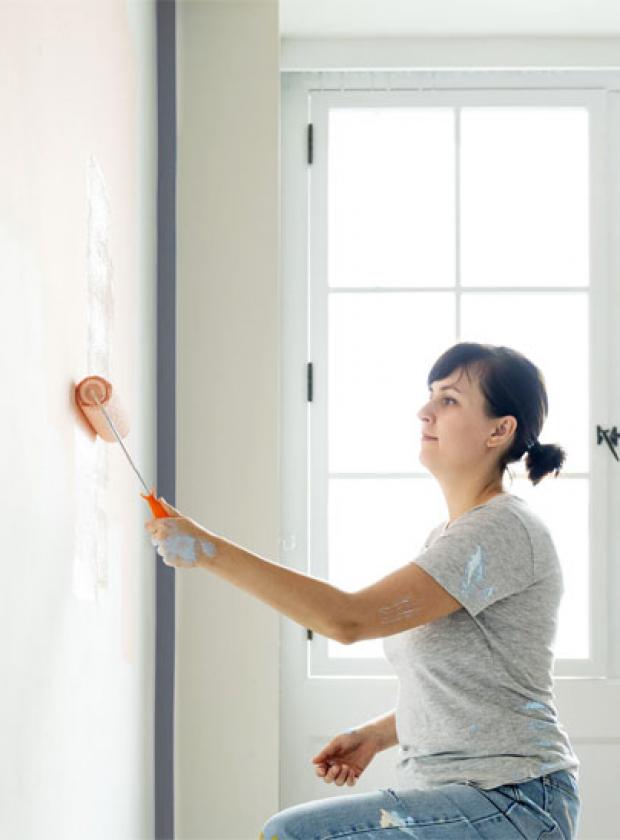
(77,282)
(448,18)
(226,707)
(439,53)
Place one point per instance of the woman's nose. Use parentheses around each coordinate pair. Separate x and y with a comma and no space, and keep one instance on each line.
(423,412)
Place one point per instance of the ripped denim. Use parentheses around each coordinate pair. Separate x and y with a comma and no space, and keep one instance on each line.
(545,808)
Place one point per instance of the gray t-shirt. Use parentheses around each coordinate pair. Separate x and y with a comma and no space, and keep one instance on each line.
(475,688)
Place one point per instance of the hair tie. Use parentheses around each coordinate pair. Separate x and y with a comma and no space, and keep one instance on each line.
(533,445)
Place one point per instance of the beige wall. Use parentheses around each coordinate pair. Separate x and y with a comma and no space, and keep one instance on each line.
(77,285)
(226,707)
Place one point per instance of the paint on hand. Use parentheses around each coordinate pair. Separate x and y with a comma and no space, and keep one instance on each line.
(401,609)
(185,546)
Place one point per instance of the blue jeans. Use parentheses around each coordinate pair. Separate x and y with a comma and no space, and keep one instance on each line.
(545,808)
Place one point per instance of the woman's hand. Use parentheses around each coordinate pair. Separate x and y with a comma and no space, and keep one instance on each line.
(179,540)
(346,757)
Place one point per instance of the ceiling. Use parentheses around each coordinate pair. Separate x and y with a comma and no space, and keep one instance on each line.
(416,18)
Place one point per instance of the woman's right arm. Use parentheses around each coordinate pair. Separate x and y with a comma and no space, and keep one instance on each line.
(383,728)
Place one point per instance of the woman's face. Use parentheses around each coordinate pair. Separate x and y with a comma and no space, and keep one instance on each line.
(454,416)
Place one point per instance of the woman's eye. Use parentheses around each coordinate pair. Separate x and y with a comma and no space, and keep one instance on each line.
(444,398)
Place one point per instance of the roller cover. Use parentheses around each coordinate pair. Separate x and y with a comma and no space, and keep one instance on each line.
(93,390)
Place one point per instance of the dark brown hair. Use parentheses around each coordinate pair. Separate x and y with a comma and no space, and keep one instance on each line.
(511,384)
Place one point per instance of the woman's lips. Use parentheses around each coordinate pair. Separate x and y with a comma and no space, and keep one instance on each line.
(428,437)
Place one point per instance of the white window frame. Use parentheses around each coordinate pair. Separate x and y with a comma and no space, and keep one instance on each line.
(305,99)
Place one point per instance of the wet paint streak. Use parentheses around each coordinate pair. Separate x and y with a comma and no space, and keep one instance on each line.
(543,728)
(401,609)
(539,724)
(100,272)
(533,704)
(91,529)
(475,572)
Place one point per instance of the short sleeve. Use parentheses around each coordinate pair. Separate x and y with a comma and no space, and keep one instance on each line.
(481,558)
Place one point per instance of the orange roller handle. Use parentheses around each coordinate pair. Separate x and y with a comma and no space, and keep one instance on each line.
(157,509)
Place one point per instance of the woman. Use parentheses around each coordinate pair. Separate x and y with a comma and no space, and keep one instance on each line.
(468,627)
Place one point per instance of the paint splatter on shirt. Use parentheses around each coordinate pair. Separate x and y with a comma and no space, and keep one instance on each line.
(475,688)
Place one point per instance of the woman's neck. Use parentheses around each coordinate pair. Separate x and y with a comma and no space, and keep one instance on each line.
(458,506)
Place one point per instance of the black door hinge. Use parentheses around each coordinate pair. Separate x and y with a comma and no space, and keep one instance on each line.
(310,383)
(310,143)
(611,438)
(309,633)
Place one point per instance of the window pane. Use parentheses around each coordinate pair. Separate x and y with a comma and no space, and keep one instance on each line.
(381,346)
(391,197)
(552,331)
(524,196)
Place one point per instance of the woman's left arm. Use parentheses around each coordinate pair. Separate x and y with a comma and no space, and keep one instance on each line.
(310,602)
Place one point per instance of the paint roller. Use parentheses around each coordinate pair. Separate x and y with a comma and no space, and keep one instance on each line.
(104,413)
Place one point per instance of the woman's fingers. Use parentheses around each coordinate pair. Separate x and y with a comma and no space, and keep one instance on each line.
(337,773)
(341,774)
(344,775)
(169,508)
(332,771)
